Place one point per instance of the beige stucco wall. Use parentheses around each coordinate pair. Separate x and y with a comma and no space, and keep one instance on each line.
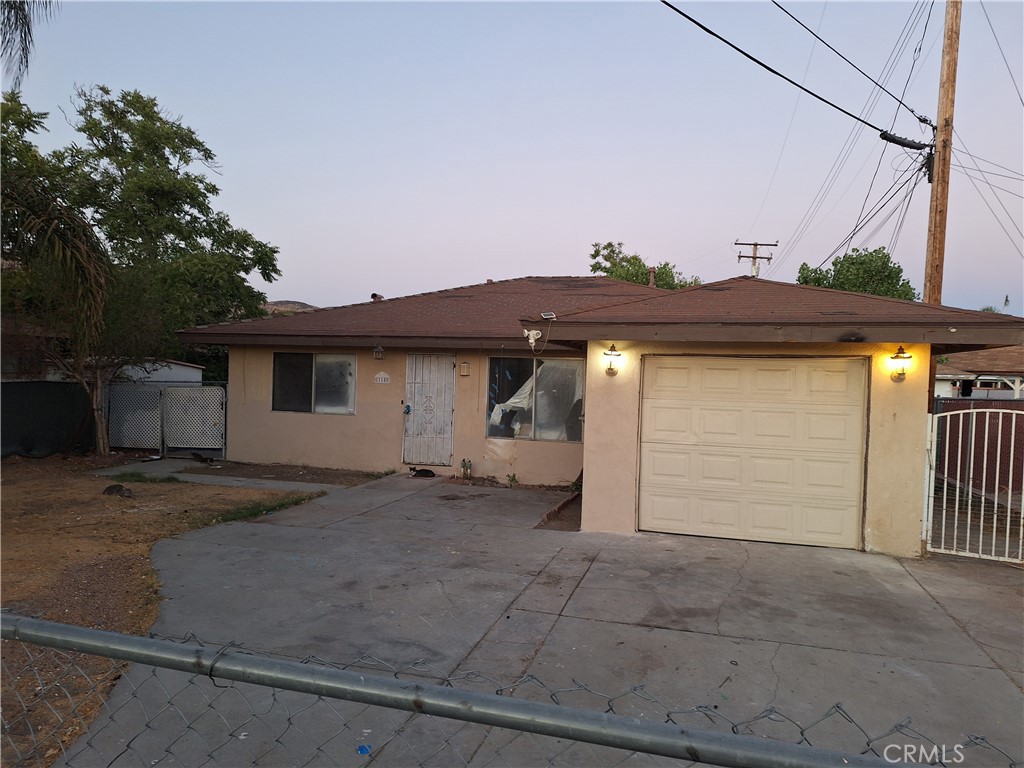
(897,434)
(371,438)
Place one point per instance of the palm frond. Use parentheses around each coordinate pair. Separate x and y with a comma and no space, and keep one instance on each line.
(17,24)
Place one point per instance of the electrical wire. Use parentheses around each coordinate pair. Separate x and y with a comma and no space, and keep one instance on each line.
(976,158)
(789,128)
(888,68)
(1000,223)
(894,241)
(960,169)
(921,118)
(876,209)
(871,235)
(775,72)
(917,54)
(998,199)
(1009,237)
(881,206)
(987,173)
(1000,47)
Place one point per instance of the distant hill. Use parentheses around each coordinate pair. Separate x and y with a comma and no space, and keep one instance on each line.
(287,307)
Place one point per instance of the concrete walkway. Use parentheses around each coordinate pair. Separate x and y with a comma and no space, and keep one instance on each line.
(411,569)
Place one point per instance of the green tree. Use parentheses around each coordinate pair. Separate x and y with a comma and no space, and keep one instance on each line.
(610,259)
(860,271)
(169,260)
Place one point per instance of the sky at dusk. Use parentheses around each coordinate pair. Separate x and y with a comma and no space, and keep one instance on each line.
(399,148)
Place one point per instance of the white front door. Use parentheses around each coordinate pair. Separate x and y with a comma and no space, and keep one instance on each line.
(430,404)
(769,449)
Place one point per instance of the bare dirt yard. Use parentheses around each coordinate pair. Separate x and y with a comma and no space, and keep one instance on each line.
(74,554)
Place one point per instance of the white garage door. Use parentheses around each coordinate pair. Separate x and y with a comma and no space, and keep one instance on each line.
(769,449)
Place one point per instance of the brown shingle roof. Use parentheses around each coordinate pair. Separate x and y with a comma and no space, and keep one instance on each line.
(1005,361)
(744,300)
(751,309)
(486,311)
(739,309)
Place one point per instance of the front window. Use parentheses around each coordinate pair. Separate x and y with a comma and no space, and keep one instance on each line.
(535,398)
(310,383)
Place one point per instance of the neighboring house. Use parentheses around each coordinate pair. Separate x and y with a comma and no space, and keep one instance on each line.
(743,408)
(164,371)
(992,374)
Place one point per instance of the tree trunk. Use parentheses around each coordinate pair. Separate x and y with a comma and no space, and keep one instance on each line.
(97,394)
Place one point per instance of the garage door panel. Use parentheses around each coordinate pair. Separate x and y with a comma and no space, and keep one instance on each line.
(669,422)
(721,425)
(775,426)
(668,381)
(759,449)
(752,517)
(721,380)
(806,477)
(666,466)
(823,381)
(777,380)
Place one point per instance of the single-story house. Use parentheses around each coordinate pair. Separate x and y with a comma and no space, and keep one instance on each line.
(743,408)
(991,374)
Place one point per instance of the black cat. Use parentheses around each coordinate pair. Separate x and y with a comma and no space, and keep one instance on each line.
(413,472)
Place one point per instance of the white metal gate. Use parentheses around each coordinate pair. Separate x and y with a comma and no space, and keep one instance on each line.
(976,479)
(430,410)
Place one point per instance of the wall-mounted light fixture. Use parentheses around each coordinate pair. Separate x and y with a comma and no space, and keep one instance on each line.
(463,369)
(378,352)
(899,364)
(612,354)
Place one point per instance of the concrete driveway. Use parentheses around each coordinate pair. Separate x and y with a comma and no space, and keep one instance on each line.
(410,569)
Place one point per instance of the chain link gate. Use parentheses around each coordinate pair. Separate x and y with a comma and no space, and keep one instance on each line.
(162,416)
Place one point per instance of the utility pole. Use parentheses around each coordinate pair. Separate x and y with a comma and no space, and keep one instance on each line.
(755,268)
(939,160)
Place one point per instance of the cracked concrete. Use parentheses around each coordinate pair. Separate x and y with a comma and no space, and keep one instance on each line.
(411,570)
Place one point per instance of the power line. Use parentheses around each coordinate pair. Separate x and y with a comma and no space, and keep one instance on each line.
(992,186)
(876,209)
(920,118)
(917,53)
(986,173)
(1000,47)
(888,68)
(785,139)
(998,221)
(998,199)
(903,218)
(775,72)
(976,158)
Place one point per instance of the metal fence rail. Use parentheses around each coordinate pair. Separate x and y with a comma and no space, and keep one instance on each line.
(173,707)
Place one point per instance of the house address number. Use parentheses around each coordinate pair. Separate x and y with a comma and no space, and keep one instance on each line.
(382,378)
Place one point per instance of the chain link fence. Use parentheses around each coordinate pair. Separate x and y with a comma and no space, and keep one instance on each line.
(71,698)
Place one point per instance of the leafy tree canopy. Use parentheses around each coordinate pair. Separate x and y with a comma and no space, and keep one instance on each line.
(861,271)
(610,259)
(112,244)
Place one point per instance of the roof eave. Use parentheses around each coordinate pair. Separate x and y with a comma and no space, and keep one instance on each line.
(944,337)
(335,341)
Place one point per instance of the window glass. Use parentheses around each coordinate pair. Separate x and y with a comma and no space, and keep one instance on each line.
(293,381)
(558,400)
(535,398)
(334,384)
(309,383)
